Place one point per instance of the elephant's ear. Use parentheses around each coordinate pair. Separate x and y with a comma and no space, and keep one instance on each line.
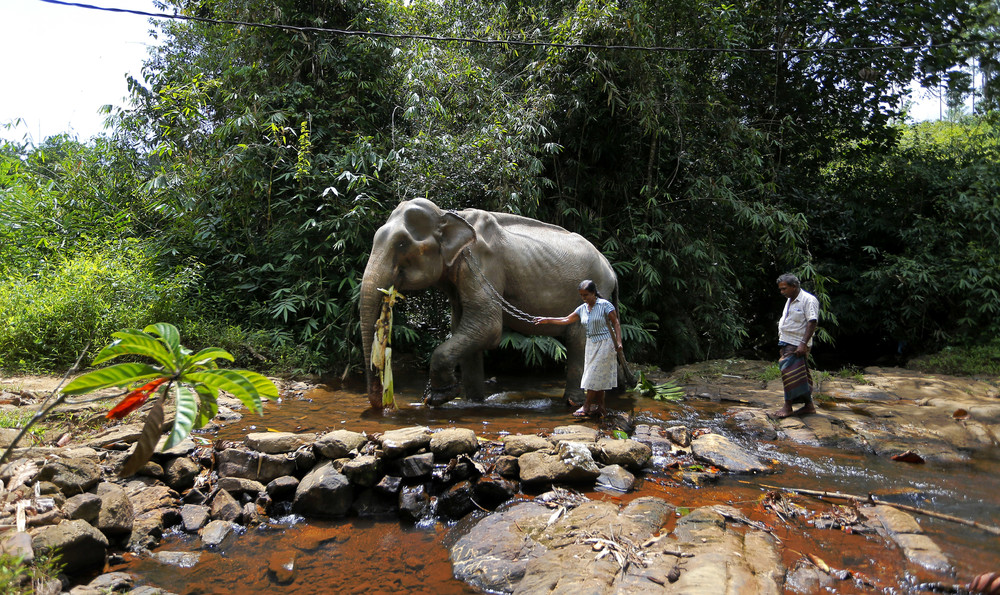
(456,235)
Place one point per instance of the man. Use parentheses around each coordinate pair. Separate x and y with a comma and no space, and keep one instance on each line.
(795,332)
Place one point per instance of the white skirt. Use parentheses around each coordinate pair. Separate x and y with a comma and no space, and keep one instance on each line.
(600,368)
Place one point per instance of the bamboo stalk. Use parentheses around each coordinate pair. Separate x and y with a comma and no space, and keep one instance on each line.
(874,500)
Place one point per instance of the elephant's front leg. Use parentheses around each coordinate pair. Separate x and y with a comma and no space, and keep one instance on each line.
(476,328)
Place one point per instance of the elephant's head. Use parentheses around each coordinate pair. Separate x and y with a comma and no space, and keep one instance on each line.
(413,250)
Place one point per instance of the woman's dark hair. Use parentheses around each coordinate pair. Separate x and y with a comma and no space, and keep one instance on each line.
(590,287)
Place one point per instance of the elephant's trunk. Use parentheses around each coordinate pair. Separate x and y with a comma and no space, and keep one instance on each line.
(378,274)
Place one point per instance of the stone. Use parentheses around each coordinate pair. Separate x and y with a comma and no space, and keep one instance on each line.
(194,517)
(178,559)
(518,444)
(679,435)
(250,516)
(281,566)
(80,545)
(339,444)
(323,492)
(372,503)
(491,491)
(389,485)
(151,469)
(148,528)
(718,450)
(364,471)
(181,449)
(111,582)
(572,463)
(456,502)
(84,507)
(617,478)
(419,465)
(506,466)
(449,443)
(116,515)
(224,507)
(404,441)
(277,442)
(282,488)
(18,545)
(181,473)
(250,464)
(629,454)
(73,476)
(217,532)
(239,487)
(146,499)
(414,502)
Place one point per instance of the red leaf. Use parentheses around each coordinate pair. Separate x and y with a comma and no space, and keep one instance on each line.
(134,399)
(908,457)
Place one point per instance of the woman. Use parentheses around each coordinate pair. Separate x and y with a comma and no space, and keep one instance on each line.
(600,370)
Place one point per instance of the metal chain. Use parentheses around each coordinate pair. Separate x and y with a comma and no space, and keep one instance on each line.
(507,307)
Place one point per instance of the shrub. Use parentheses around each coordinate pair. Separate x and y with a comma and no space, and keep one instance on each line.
(48,316)
(970,360)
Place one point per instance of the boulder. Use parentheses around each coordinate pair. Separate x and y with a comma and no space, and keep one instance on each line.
(80,545)
(339,444)
(718,450)
(277,442)
(194,516)
(224,507)
(404,441)
(456,502)
(414,502)
(73,476)
(181,473)
(282,488)
(239,487)
(116,515)
(617,478)
(323,492)
(364,471)
(216,533)
(518,444)
(629,454)
(419,465)
(449,443)
(250,464)
(84,507)
(571,463)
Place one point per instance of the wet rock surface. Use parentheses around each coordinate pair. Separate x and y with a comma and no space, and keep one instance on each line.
(521,527)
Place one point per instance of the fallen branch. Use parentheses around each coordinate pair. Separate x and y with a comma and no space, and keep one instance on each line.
(875,500)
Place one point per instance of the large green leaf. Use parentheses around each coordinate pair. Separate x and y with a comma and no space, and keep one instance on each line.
(135,342)
(209,404)
(169,335)
(206,355)
(186,400)
(116,375)
(246,386)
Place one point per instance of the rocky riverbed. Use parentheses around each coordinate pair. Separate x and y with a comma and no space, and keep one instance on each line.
(517,503)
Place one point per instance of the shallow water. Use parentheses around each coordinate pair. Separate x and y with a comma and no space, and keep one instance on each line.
(354,555)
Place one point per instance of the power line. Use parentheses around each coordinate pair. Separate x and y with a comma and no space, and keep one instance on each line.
(515,42)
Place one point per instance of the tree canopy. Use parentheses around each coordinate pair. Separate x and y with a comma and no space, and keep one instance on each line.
(705,148)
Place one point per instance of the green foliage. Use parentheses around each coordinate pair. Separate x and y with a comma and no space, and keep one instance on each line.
(193,380)
(772,372)
(18,578)
(535,348)
(48,315)
(664,391)
(976,360)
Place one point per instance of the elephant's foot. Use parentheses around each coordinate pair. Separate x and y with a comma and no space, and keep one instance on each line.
(439,396)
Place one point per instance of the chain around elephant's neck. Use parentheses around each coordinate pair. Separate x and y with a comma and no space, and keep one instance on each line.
(507,307)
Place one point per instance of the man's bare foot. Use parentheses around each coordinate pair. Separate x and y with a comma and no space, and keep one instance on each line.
(807,409)
(784,412)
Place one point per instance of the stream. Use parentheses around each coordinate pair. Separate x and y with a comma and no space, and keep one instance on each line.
(289,554)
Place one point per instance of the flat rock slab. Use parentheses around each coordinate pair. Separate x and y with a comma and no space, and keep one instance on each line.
(722,452)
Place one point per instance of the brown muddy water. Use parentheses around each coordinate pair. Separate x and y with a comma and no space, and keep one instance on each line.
(365,556)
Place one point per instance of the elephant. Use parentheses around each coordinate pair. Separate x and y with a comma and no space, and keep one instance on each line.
(480,260)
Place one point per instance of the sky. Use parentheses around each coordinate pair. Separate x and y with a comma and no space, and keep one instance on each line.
(62,63)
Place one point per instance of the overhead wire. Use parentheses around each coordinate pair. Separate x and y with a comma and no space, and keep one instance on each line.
(515,42)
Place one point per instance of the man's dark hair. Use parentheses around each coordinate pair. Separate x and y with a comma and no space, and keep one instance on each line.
(789,279)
